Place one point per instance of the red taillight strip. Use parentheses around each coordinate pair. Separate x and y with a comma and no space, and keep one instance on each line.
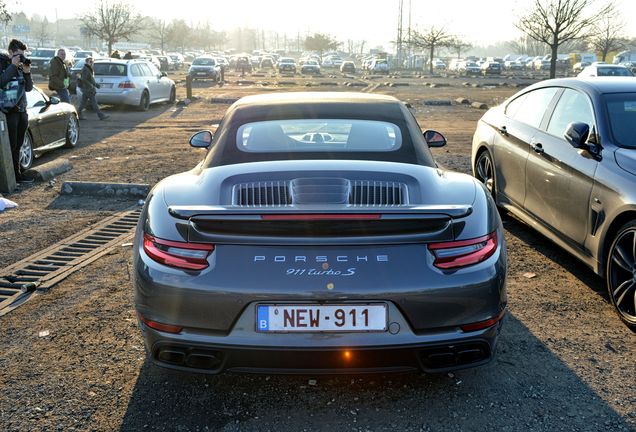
(483,324)
(462,260)
(152,248)
(310,217)
(159,326)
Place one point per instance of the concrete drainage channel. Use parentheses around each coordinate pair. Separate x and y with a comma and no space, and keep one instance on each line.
(41,271)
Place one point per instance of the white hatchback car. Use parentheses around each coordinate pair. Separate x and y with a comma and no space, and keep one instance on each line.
(132,82)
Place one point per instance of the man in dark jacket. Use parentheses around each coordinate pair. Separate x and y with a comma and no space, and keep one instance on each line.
(89,89)
(15,72)
(59,77)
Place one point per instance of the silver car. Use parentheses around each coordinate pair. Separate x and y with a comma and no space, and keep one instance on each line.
(132,82)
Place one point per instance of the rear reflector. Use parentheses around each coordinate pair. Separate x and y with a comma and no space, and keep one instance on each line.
(455,254)
(126,84)
(483,324)
(183,255)
(310,217)
(159,326)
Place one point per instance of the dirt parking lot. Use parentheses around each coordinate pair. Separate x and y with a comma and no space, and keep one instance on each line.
(564,361)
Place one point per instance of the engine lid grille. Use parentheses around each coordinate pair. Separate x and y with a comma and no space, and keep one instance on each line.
(363,193)
(262,194)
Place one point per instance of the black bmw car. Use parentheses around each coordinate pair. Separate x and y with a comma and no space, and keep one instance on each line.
(52,124)
(561,155)
(318,235)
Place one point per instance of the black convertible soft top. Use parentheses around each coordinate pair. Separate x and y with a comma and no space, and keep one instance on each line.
(318,105)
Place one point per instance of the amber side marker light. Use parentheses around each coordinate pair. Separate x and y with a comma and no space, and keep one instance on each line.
(347,355)
(167,328)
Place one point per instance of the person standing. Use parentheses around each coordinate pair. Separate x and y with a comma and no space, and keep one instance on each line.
(115,54)
(59,77)
(16,75)
(128,56)
(89,90)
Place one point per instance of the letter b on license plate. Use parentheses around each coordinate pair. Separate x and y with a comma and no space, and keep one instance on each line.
(321,318)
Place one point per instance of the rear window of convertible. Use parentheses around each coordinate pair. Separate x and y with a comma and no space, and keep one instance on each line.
(317,135)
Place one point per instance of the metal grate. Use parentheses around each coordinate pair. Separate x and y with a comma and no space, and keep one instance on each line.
(44,269)
(262,194)
(370,193)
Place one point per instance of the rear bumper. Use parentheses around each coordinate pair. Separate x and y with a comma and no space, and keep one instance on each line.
(396,350)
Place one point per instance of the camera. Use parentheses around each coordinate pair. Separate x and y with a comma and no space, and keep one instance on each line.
(25,61)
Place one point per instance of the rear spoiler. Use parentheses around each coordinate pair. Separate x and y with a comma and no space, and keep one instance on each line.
(258,213)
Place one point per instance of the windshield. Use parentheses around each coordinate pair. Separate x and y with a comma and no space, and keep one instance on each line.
(318,135)
(43,53)
(621,110)
(614,71)
(203,62)
(110,69)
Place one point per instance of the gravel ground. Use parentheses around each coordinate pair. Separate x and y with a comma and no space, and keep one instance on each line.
(72,358)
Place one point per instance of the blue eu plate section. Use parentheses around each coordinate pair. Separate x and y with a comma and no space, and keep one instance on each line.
(262,323)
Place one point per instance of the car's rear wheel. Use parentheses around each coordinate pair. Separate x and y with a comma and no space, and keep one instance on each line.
(173,95)
(72,131)
(26,152)
(144,102)
(621,274)
(485,172)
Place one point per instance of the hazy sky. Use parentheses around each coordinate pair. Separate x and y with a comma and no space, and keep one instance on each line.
(480,22)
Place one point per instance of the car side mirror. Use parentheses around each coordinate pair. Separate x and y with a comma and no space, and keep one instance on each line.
(163,74)
(201,139)
(434,138)
(576,134)
(54,100)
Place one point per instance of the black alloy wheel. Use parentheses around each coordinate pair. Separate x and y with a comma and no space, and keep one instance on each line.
(173,96)
(144,103)
(621,274)
(485,172)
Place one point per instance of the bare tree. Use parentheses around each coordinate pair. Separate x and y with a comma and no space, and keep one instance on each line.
(555,22)
(159,31)
(180,34)
(113,22)
(434,38)
(528,46)
(5,16)
(607,33)
(41,28)
(457,46)
(321,42)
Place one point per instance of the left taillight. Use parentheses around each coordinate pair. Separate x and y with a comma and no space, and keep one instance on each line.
(126,84)
(456,254)
(182,255)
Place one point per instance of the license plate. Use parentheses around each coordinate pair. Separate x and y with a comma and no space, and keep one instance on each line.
(34,66)
(106,85)
(321,318)
(201,73)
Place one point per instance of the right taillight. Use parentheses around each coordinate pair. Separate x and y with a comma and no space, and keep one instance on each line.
(182,255)
(455,254)
(126,84)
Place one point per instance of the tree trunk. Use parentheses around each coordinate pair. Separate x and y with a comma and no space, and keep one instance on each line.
(431,58)
(110,47)
(553,60)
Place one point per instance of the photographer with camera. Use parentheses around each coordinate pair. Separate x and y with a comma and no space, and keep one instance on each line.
(15,81)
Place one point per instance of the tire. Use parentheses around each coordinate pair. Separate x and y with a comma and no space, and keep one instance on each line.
(620,274)
(26,152)
(485,172)
(72,131)
(144,102)
(173,96)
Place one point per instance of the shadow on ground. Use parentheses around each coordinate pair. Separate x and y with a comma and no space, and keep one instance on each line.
(525,388)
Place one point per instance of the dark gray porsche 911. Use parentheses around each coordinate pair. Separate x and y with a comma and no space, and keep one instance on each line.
(318,235)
